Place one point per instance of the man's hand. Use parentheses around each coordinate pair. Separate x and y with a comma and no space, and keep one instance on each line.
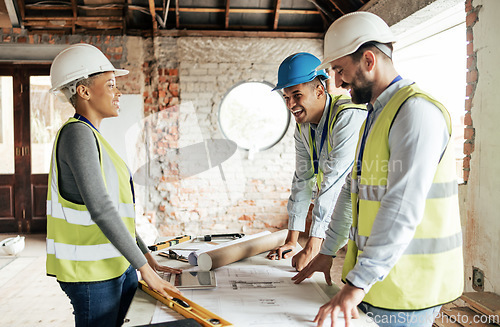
(277,253)
(345,301)
(311,249)
(289,246)
(321,263)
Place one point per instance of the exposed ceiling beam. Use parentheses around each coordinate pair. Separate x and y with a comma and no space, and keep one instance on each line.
(226,15)
(177,24)
(249,11)
(152,11)
(74,8)
(276,14)
(223,33)
(337,7)
(20,7)
(326,20)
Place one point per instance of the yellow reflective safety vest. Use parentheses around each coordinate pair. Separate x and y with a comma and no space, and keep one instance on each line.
(430,272)
(77,249)
(344,102)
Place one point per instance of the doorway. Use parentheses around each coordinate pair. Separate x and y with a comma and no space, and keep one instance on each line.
(29,119)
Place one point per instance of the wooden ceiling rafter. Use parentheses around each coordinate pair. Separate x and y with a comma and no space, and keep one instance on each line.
(21,6)
(276,14)
(326,19)
(74,9)
(248,11)
(177,18)
(152,11)
(334,3)
(226,14)
(68,14)
(238,33)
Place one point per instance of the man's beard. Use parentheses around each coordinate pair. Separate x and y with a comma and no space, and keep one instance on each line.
(361,89)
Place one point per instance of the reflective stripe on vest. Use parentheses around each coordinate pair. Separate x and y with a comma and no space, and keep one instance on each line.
(346,104)
(77,250)
(430,272)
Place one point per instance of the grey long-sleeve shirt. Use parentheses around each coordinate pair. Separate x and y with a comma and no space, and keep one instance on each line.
(80,181)
(417,140)
(335,165)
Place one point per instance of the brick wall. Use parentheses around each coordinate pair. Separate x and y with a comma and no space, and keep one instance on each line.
(240,194)
(472,76)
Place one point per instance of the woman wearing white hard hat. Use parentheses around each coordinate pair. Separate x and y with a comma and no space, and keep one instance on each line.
(404,257)
(92,246)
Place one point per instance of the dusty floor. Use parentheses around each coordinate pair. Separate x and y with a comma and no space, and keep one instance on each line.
(30,298)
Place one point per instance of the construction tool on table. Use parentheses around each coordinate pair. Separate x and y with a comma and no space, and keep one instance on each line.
(166,244)
(187,308)
(208,238)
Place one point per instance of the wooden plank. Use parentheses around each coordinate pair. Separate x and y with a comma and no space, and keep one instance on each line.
(462,316)
(226,33)
(152,11)
(487,303)
(276,14)
(248,11)
(337,6)
(74,6)
(177,14)
(21,6)
(70,19)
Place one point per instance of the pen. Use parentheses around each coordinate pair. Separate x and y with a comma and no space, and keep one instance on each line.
(166,244)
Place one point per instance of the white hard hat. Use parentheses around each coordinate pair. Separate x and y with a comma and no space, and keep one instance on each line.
(350,31)
(78,62)
(13,245)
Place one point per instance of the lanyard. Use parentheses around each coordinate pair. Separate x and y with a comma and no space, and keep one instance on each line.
(84,119)
(316,154)
(365,132)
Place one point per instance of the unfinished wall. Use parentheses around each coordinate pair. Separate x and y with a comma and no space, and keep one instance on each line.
(188,194)
(182,82)
(482,235)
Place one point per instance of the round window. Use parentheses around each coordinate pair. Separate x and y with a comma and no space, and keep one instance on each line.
(253,116)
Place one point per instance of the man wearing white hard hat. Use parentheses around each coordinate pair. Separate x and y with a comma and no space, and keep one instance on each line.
(404,257)
(92,247)
(326,134)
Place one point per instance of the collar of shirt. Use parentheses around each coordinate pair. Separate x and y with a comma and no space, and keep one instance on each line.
(384,98)
(324,117)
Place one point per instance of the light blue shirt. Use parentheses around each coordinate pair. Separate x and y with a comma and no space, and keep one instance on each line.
(417,140)
(335,165)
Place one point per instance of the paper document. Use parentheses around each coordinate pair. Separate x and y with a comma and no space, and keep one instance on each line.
(259,295)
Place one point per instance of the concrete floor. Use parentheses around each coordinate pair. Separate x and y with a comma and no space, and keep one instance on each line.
(28,296)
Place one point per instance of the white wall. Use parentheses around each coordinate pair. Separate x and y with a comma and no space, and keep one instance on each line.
(483,190)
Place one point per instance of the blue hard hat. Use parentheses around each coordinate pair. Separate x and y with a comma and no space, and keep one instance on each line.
(299,68)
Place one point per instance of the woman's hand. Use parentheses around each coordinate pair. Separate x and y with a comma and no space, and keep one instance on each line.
(157,267)
(157,283)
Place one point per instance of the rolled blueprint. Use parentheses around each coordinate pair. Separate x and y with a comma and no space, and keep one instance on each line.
(228,254)
(193,256)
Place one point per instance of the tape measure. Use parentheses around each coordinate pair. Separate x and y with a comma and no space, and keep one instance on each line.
(187,308)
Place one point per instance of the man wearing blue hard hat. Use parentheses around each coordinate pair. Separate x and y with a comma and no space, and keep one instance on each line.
(326,134)
(404,258)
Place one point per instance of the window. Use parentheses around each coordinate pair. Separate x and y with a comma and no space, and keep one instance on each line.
(434,55)
(253,116)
